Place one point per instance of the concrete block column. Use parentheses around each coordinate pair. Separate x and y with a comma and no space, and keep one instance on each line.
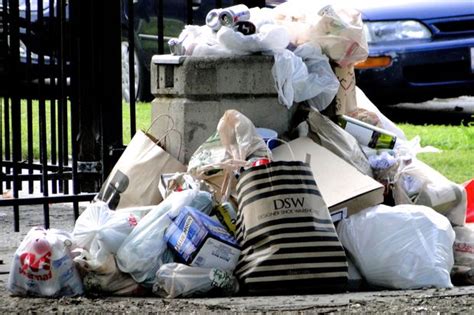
(196,91)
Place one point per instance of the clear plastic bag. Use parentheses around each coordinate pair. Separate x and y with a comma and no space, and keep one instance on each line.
(328,134)
(145,249)
(99,227)
(304,74)
(101,275)
(419,184)
(43,266)
(178,280)
(401,247)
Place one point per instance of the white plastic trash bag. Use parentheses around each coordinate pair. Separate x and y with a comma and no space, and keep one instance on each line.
(99,227)
(304,74)
(43,266)
(178,280)
(101,275)
(143,251)
(401,247)
(269,37)
(464,245)
(418,183)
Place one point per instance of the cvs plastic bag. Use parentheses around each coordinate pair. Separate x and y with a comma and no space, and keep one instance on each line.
(401,247)
(43,266)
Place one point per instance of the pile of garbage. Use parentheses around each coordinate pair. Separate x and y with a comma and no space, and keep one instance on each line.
(342,204)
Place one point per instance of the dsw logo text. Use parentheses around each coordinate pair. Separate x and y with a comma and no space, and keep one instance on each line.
(287,203)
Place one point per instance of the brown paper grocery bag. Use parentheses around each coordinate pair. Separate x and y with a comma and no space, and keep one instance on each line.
(135,177)
(345,100)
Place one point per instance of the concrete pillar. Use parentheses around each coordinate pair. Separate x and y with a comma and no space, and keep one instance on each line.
(196,91)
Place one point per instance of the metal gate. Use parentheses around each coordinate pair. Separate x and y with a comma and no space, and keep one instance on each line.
(61,96)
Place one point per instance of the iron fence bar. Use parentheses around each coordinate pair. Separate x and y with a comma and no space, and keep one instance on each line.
(75,18)
(42,120)
(29,102)
(62,101)
(189,11)
(53,84)
(2,100)
(131,63)
(161,26)
(38,177)
(34,166)
(49,199)
(5,54)
(6,117)
(15,105)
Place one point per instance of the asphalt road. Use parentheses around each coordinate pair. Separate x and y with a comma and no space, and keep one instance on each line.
(452,111)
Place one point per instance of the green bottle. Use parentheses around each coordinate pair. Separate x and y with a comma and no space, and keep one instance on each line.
(368,135)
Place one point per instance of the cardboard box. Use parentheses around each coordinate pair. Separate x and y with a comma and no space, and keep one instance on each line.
(202,242)
(344,189)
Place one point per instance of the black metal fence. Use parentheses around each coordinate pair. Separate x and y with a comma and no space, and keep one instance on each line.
(61,94)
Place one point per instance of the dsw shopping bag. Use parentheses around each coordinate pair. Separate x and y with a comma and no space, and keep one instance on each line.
(134,179)
(287,238)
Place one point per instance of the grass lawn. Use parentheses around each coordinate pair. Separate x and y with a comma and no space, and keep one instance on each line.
(456,161)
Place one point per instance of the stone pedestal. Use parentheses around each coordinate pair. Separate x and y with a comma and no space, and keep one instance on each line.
(196,91)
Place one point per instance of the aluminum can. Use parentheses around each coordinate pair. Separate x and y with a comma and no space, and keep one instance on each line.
(245,27)
(212,19)
(231,15)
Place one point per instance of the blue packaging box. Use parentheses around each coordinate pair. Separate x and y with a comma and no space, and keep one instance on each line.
(201,241)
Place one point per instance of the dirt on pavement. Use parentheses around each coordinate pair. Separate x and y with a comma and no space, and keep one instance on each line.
(457,300)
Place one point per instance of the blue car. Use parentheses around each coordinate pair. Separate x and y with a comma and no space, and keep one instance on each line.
(418,50)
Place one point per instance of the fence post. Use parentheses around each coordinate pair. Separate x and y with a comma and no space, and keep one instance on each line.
(96,88)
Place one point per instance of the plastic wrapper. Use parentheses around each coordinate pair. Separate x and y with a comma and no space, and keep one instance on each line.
(341,35)
(328,134)
(338,30)
(99,227)
(401,247)
(419,184)
(43,266)
(144,250)
(304,74)
(270,37)
(100,275)
(178,280)
(464,245)
(235,144)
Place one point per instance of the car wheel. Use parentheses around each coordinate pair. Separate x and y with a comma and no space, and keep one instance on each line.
(126,76)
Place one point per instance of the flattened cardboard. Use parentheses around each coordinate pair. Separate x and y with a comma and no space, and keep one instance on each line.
(341,185)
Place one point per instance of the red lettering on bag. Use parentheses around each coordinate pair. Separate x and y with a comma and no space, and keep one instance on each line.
(132,220)
(31,266)
(464,248)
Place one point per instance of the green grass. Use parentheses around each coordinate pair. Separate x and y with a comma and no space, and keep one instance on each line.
(456,161)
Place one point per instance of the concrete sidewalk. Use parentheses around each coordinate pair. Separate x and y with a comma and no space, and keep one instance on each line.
(458,299)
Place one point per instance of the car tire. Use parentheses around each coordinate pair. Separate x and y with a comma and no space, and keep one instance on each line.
(141,79)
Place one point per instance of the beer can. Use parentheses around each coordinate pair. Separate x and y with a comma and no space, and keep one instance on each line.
(227,215)
(231,15)
(212,19)
(245,27)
